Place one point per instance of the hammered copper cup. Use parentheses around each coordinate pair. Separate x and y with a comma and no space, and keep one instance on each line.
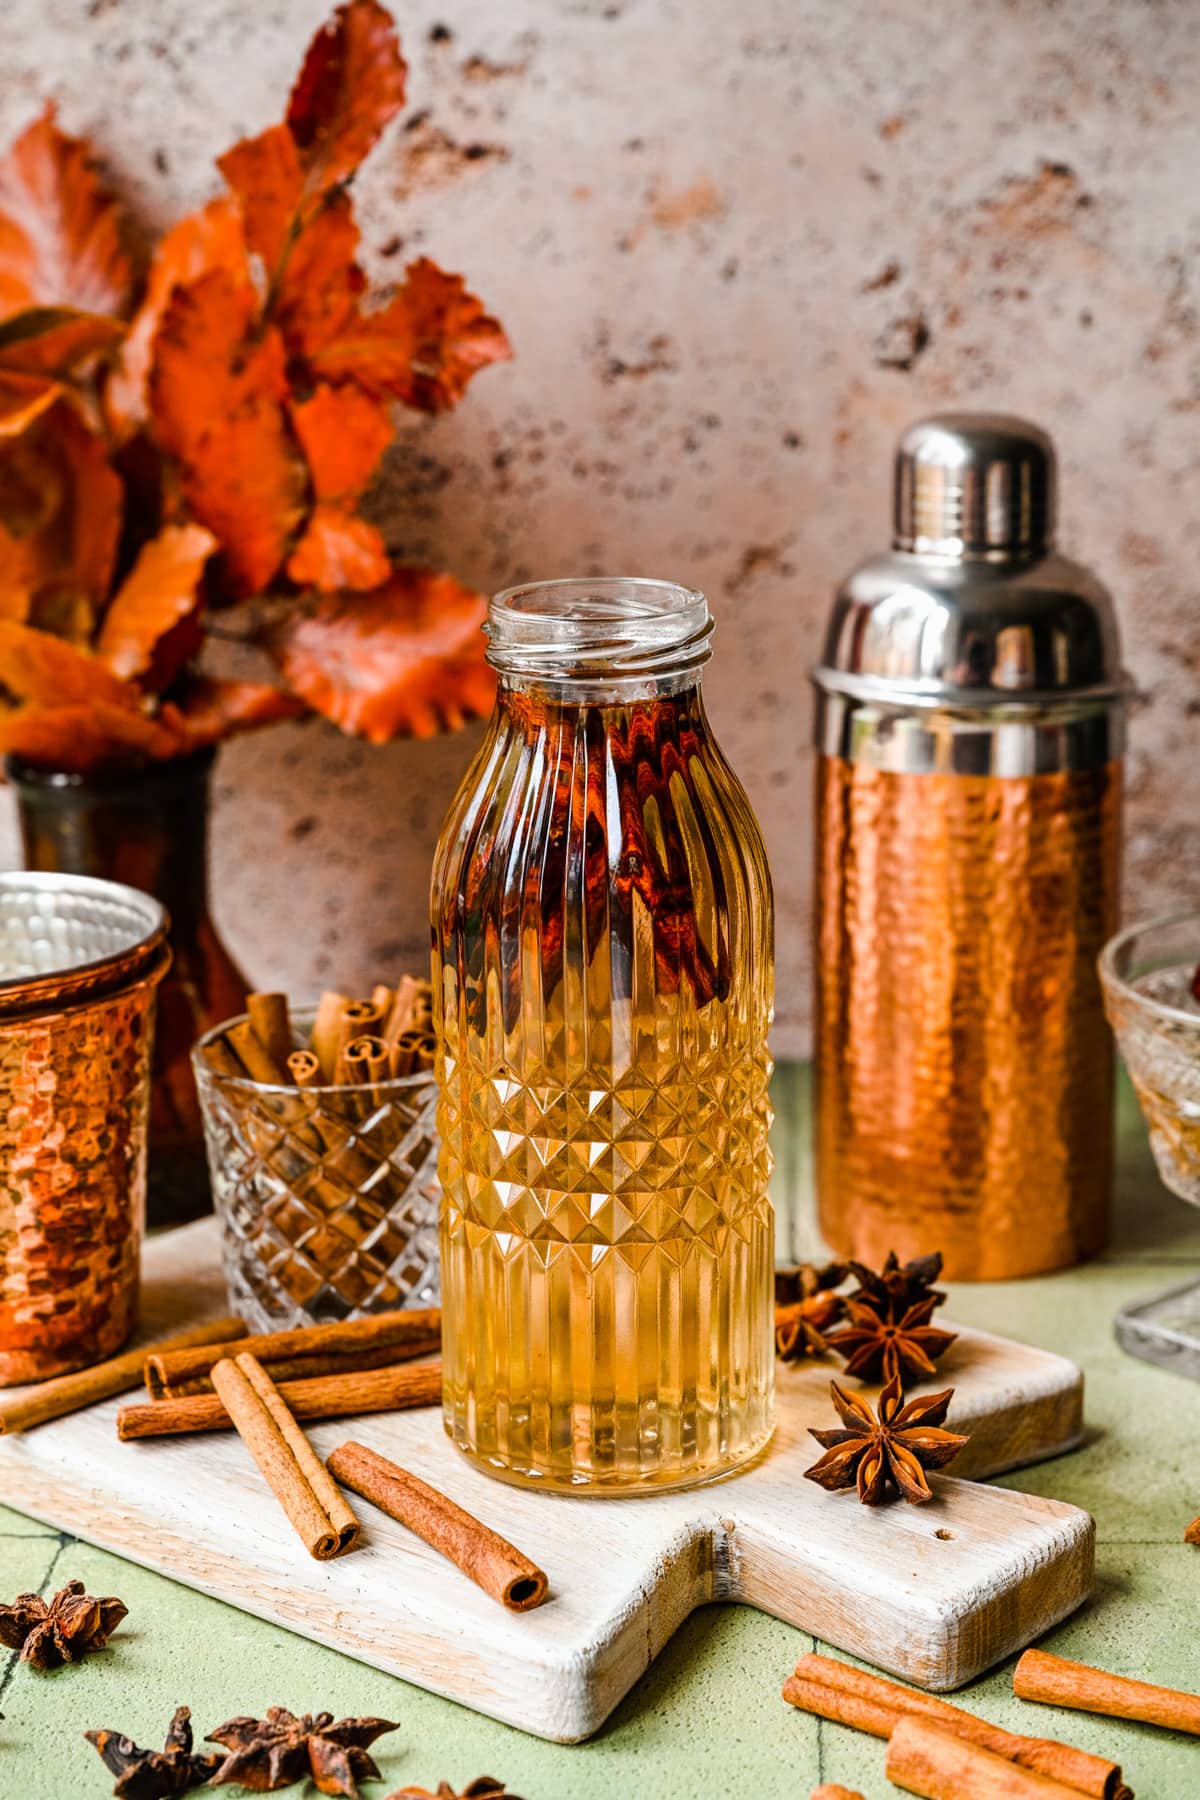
(79,963)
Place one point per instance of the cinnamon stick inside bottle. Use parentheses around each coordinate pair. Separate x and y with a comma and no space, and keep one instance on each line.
(494,1564)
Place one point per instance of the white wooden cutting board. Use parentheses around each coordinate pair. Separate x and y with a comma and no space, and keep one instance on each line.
(932,1593)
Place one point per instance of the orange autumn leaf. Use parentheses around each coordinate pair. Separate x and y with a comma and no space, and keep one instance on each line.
(160,591)
(422,348)
(60,522)
(44,670)
(210,709)
(216,391)
(265,174)
(344,433)
(321,283)
(405,659)
(39,347)
(54,340)
(209,239)
(339,552)
(24,398)
(84,736)
(352,83)
(60,228)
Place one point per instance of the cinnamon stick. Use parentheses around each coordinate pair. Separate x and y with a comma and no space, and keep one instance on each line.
(70,1393)
(492,1563)
(272,1027)
(365,1059)
(318,1512)
(328,1032)
(1057,1682)
(324,1397)
(404,1008)
(304,1069)
(309,1368)
(414,1332)
(257,1061)
(924,1760)
(1079,1769)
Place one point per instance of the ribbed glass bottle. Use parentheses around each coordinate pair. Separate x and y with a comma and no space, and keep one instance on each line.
(602,955)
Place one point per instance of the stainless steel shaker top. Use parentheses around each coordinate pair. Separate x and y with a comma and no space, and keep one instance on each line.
(973,645)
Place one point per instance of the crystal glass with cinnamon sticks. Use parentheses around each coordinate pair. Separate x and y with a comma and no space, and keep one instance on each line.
(322,1146)
(603,980)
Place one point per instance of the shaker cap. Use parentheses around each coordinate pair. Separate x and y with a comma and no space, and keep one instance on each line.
(974,485)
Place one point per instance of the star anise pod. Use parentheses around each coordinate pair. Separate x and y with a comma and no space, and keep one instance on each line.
(800,1328)
(270,1753)
(156,1774)
(804,1280)
(484,1787)
(62,1630)
(885,1350)
(886,1455)
(898,1285)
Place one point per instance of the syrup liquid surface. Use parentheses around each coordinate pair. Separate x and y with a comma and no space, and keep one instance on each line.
(603,963)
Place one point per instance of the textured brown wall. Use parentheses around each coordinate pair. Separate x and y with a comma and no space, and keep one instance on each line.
(737,246)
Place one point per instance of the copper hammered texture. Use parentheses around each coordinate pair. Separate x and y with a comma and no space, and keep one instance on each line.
(963,1064)
(74,1090)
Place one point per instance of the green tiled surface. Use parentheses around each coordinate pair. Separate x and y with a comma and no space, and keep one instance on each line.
(707,1718)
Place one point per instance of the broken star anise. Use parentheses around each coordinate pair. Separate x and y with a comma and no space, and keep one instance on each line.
(883,1349)
(62,1630)
(888,1454)
(898,1285)
(156,1774)
(803,1280)
(484,1787)
(270,1753)
(805,1307)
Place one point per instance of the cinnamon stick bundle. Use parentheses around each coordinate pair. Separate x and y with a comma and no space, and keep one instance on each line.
(342,1346)
(924,1760)
(324,1397)
(1057,1682)
(70,1393)
(314,1504)
(852,1697)
(491,1561)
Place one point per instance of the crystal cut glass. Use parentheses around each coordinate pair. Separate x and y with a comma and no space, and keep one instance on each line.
(327,1197)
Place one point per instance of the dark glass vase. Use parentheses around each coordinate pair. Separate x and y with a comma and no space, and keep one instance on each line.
(149,827)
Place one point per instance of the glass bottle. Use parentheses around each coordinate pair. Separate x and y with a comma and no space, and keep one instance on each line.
(603,981)
(148,827)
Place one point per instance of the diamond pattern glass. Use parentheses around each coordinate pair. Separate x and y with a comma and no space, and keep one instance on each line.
(328,1197)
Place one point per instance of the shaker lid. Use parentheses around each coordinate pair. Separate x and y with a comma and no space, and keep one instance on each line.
(974,485)
(973,608)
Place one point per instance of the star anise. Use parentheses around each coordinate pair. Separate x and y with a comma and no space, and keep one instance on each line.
(61,1631)
(156,1774)
(484,1787)
(898,1285)
(800,1328)
(887,1455)
(803,1280)
(885,1350)
(270,1753)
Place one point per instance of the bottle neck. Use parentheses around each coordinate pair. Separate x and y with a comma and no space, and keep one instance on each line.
(147,828)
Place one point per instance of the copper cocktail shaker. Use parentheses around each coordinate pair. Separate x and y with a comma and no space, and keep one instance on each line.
(970,727)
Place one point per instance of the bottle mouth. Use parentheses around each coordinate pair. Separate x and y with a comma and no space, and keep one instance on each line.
(598,629)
